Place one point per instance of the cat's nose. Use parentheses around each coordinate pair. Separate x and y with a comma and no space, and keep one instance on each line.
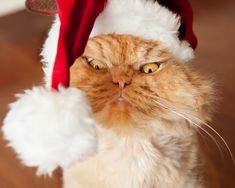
(122,82)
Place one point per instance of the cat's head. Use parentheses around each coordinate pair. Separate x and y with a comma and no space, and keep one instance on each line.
(127,80)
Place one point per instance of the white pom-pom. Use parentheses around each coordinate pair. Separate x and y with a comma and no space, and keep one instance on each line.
(48,129)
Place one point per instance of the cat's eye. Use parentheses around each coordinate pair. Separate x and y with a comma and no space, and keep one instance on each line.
(96,64)
(150,68)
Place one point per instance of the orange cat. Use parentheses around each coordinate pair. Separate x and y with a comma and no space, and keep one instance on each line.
(148,108)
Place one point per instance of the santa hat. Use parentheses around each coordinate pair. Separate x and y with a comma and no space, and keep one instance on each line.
(167,21)
(53,126)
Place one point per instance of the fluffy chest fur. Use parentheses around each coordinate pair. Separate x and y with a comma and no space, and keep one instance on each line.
(137,161)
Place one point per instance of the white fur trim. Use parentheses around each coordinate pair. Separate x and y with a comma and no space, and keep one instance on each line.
(146,19)
(48,129)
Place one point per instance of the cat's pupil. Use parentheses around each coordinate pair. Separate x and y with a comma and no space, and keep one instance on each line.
(150,71)
(97,67)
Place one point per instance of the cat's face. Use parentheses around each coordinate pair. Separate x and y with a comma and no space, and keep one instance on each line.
(127,79)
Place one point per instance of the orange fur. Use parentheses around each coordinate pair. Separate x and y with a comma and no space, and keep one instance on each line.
(152,112)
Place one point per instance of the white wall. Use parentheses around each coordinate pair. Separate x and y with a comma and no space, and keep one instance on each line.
(10,6)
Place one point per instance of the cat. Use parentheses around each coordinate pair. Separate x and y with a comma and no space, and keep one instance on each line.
(148,108)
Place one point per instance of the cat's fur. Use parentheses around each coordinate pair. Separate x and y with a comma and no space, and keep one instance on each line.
(151,140)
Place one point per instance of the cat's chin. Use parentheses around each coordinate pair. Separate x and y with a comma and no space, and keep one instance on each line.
(116,112)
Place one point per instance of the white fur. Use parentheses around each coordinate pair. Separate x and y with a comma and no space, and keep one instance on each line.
(48,129)
(139,160)
(146,19)
(143,18)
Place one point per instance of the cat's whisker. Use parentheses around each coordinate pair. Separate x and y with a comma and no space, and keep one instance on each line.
(192,120)
(222,139)
(186,116)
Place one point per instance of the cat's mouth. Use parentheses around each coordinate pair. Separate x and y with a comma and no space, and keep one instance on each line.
(120,99)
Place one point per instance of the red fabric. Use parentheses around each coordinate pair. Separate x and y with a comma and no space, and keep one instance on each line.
(184,10)
(77,18)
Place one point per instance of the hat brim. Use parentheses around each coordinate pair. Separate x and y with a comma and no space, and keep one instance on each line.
(42,6)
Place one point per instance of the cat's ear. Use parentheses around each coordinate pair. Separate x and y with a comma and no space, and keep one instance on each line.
(42,6)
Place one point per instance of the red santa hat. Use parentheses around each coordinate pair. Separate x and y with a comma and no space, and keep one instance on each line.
(49,128)
(168,21)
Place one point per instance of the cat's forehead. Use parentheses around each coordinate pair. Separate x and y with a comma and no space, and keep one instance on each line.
(128,50)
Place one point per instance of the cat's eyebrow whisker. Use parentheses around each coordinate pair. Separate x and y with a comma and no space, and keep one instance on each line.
(188,117)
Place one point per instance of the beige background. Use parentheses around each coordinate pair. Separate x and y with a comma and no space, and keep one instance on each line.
(10,6)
